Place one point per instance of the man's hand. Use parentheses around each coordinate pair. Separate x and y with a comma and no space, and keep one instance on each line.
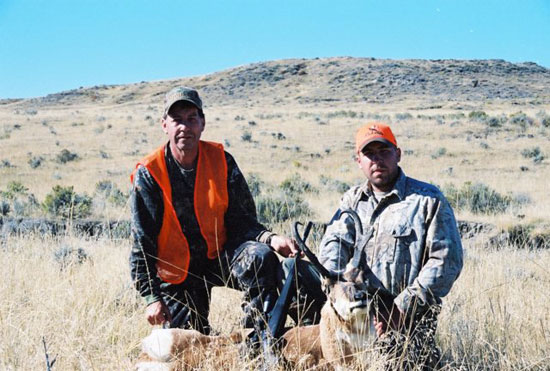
(385,321)
(157,313)
(284,246)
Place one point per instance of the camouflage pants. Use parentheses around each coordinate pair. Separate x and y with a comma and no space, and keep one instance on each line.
(252,267)
(415,347)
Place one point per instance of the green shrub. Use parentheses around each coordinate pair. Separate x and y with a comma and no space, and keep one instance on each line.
(278,136)
(35,161)
(278,208)
(65,202)
(107,191)
(477,116)
(255,184)
(522,120)
(439,152)
(455,116)
(480,199)
(14,188)
(17,201)
(295,185)
(534,153)
(344,113)
(403,116)
(493,122)
(246,136)
(334,184)
(5,163)
(66,156)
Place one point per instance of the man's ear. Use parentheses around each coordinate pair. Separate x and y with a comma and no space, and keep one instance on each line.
(398,151)
(357,159)
(203,119)
(163,124)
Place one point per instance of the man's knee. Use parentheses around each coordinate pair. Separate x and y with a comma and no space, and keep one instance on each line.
(257,262)
(261,254)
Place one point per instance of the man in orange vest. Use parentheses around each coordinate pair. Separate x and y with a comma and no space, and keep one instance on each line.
(194,226)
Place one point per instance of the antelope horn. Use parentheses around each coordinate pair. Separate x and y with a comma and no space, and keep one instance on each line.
(361,239)
(310,255)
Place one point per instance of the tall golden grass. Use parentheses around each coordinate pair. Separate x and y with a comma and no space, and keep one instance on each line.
(496,317)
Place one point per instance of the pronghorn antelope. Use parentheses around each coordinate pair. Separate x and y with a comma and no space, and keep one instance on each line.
(345,328)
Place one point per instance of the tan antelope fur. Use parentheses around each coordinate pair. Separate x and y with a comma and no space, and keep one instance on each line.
(178,349)
(345,330)
(346,327)
(302,347)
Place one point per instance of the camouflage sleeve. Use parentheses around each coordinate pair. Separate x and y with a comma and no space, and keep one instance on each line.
(146,210)
(337,244)
(240,219)
(444,263)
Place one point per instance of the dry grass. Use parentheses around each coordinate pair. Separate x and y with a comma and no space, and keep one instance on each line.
(87,312)
(496,317)
(439,146)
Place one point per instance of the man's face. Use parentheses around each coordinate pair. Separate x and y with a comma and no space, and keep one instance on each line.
(379,164)
(184,127)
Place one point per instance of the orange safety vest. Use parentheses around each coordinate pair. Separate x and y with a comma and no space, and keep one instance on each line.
(210,200)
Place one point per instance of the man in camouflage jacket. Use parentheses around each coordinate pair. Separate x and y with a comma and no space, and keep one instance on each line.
(415,250)
(247,260)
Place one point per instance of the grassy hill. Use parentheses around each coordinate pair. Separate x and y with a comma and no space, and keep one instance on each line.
(457,121)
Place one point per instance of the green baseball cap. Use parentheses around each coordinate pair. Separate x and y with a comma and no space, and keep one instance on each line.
(184,94)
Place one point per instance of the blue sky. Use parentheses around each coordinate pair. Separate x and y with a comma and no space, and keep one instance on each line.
(54,45)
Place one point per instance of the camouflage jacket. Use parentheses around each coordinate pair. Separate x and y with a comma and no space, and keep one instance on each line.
(415,251)
(147,210)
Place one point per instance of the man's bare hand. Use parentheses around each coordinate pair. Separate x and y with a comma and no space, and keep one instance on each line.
(393,320)
(284,246)
(157,313)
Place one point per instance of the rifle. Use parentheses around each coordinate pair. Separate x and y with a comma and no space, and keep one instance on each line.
(276,317)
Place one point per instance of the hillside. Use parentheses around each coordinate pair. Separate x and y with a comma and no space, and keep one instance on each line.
(482,123)
(335,80)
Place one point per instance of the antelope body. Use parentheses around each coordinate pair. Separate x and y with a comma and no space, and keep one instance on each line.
(179,349)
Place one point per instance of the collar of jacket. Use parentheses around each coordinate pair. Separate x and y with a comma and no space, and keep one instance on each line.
(399,187)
